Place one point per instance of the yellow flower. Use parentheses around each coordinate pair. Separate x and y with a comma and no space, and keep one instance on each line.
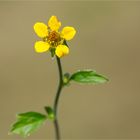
(52,38)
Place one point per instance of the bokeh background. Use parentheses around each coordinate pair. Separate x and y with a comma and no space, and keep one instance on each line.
(107,40)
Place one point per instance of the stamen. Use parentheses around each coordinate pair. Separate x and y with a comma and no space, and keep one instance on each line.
(54,37)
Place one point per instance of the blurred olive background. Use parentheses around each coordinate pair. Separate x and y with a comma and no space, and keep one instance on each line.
(107,40)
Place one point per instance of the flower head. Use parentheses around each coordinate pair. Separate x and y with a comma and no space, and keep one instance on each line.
(52,38)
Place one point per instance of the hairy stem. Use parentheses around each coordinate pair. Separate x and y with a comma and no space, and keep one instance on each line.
(60,86)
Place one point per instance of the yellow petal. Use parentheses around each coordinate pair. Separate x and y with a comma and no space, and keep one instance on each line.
(54,24)
(41,46)
(41,29)
(61,50)
(68,33)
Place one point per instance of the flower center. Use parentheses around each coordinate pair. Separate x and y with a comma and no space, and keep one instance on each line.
(54,37)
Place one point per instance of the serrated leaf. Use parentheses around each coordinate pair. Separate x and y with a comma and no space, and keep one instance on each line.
(50,113)
(88,76)
(27,123)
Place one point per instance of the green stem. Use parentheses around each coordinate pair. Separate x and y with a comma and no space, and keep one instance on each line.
(60,86)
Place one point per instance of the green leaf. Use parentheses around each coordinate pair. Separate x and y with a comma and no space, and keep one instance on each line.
(50,113)
(52,50)
(66,79)
(88,76)
(65,43)
(27,123)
